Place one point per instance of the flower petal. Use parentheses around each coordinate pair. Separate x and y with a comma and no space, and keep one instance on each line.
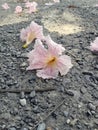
(94,45)
(37,29)
(37,56)
(18,9)
(64,64)
(54,46)
(47,73)
(5,6)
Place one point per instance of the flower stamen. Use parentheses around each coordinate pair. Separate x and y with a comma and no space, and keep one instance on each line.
(51,61)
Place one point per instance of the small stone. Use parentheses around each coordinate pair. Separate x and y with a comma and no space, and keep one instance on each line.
(23,102)
(83,90)
(91,106)
(49,128)
(65,113)
(56,128)
(32,94)
(70,93)
(22,94)
(24,64)
(73,122)
(68,121)
(41,126)
(88,113)
(12,128)
(24,128)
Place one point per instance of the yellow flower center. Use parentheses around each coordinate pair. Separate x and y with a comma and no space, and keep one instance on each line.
(51,61)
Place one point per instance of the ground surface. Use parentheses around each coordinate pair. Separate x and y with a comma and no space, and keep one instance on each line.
(74,24)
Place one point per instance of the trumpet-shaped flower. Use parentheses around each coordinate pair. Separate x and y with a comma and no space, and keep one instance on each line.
(32,32)
(5,6)
(18,9)
(48,60)
(94,45)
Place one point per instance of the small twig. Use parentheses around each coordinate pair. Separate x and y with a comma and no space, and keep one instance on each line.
(70,54)
(49,114)
(27,90)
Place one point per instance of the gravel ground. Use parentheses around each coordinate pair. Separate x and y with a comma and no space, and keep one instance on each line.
(74,25)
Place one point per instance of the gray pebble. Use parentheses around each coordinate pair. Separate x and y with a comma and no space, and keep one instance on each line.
(23,102)
(32,94)
(83,90)
(41,126)
(91,106)
(12,128)
(65,113)
(24,128)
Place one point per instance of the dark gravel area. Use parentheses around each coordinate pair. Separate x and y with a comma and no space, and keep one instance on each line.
(79,87)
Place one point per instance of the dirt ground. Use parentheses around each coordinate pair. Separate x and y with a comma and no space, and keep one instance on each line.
(72,24)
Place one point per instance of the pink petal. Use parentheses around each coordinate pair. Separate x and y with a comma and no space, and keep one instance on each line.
(33,28)
(64,64)
(38,30)
(23,35)
(37,56)
(18,9)
(94,45)
(54,46)
(5,6)
(47,73)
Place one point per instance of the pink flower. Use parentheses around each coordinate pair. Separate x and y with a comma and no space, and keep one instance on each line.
(94,45)
(48,60)
(31,6)
(56,1)
(5,6)
(32,32)
(18,9)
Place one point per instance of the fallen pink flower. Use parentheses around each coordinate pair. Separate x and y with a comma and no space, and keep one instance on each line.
(32,8)
(5,6)
(94,45)
(18,9)
(30,4)
(32,32)
(48,60)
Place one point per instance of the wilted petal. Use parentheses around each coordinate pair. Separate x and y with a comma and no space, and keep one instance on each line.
(47,73)
(5,6)
(94,45)
(53,47)
(64,64)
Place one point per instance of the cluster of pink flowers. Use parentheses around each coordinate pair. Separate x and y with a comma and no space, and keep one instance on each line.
(47,56)
(31,6)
